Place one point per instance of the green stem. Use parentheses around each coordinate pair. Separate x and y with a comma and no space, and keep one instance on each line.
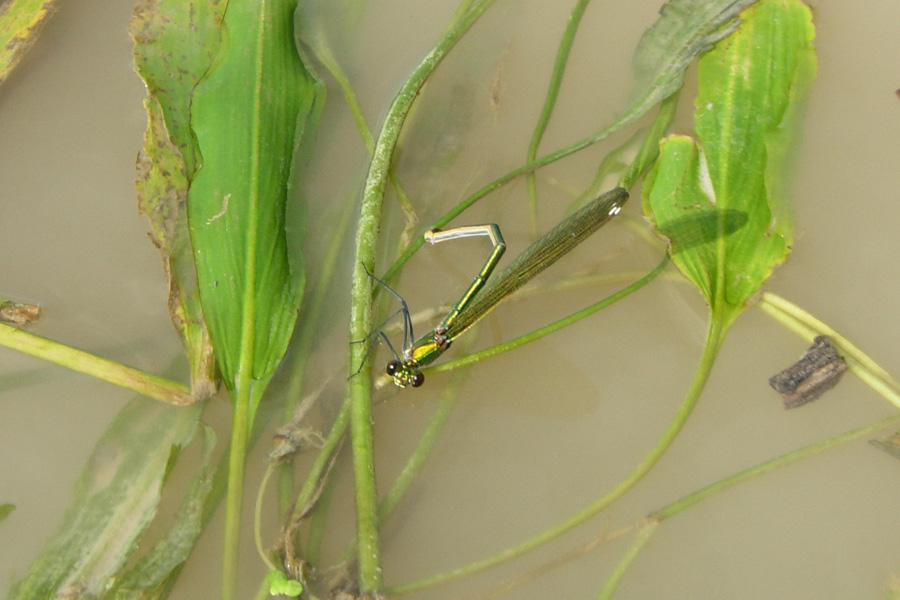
(649,149)
(235,492)
(552,327)
(640,540)
(257,516)
(310,314)
(559,68)
(104,369)
(322,462)
(791,457)
(370,577)
(423,449)
(324,54)
(808,326)
(736,479)
(314,481)
(637,167)
(715,334)
(318,521)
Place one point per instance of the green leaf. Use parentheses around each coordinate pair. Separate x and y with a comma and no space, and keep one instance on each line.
(114,501)
(295,212)
(279,584)
(174,45)
(154,573)
(752,90)
(5,510)
(20,23)
(245,115)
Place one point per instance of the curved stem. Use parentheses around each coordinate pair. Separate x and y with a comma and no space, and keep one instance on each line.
(559,67)
(322,462)
(656,517)
(641,163)
(552,327)
(640,540)
(311,312)
(370,580)
(715,334)
(257,516)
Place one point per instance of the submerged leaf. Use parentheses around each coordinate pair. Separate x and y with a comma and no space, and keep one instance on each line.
(890,444)
(684,30)
(154,573)
(174,45)
(114,501)
(752,89)
(245,116)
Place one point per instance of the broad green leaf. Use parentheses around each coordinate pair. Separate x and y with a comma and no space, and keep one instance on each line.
(245,116)
(20,23)
(752,90)
(114,501)
(175,42)
(154,573)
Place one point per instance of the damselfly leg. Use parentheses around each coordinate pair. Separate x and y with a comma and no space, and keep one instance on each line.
(378,332)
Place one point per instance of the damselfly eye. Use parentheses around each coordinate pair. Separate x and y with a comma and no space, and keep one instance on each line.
(417,380)
(392,367)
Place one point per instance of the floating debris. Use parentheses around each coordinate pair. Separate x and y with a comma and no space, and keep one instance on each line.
(815,373)
(20,315)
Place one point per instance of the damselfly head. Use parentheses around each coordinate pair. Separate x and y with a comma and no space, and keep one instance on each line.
(405,373)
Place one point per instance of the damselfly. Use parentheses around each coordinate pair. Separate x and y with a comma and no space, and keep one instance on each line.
(478,300)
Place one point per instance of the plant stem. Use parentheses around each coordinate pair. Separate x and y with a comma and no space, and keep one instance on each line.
(370,578)
(113,372)
(682,504)
(414,464)
(640,540)
(559,68)
(640,163)
(324,54)
(322,462)
(649,149)
(786,459)
(808,326)
(552,327)
(244,395)
(311,312)
(715,334)
(257,516)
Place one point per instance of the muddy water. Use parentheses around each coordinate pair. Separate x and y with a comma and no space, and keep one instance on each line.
(539,433)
